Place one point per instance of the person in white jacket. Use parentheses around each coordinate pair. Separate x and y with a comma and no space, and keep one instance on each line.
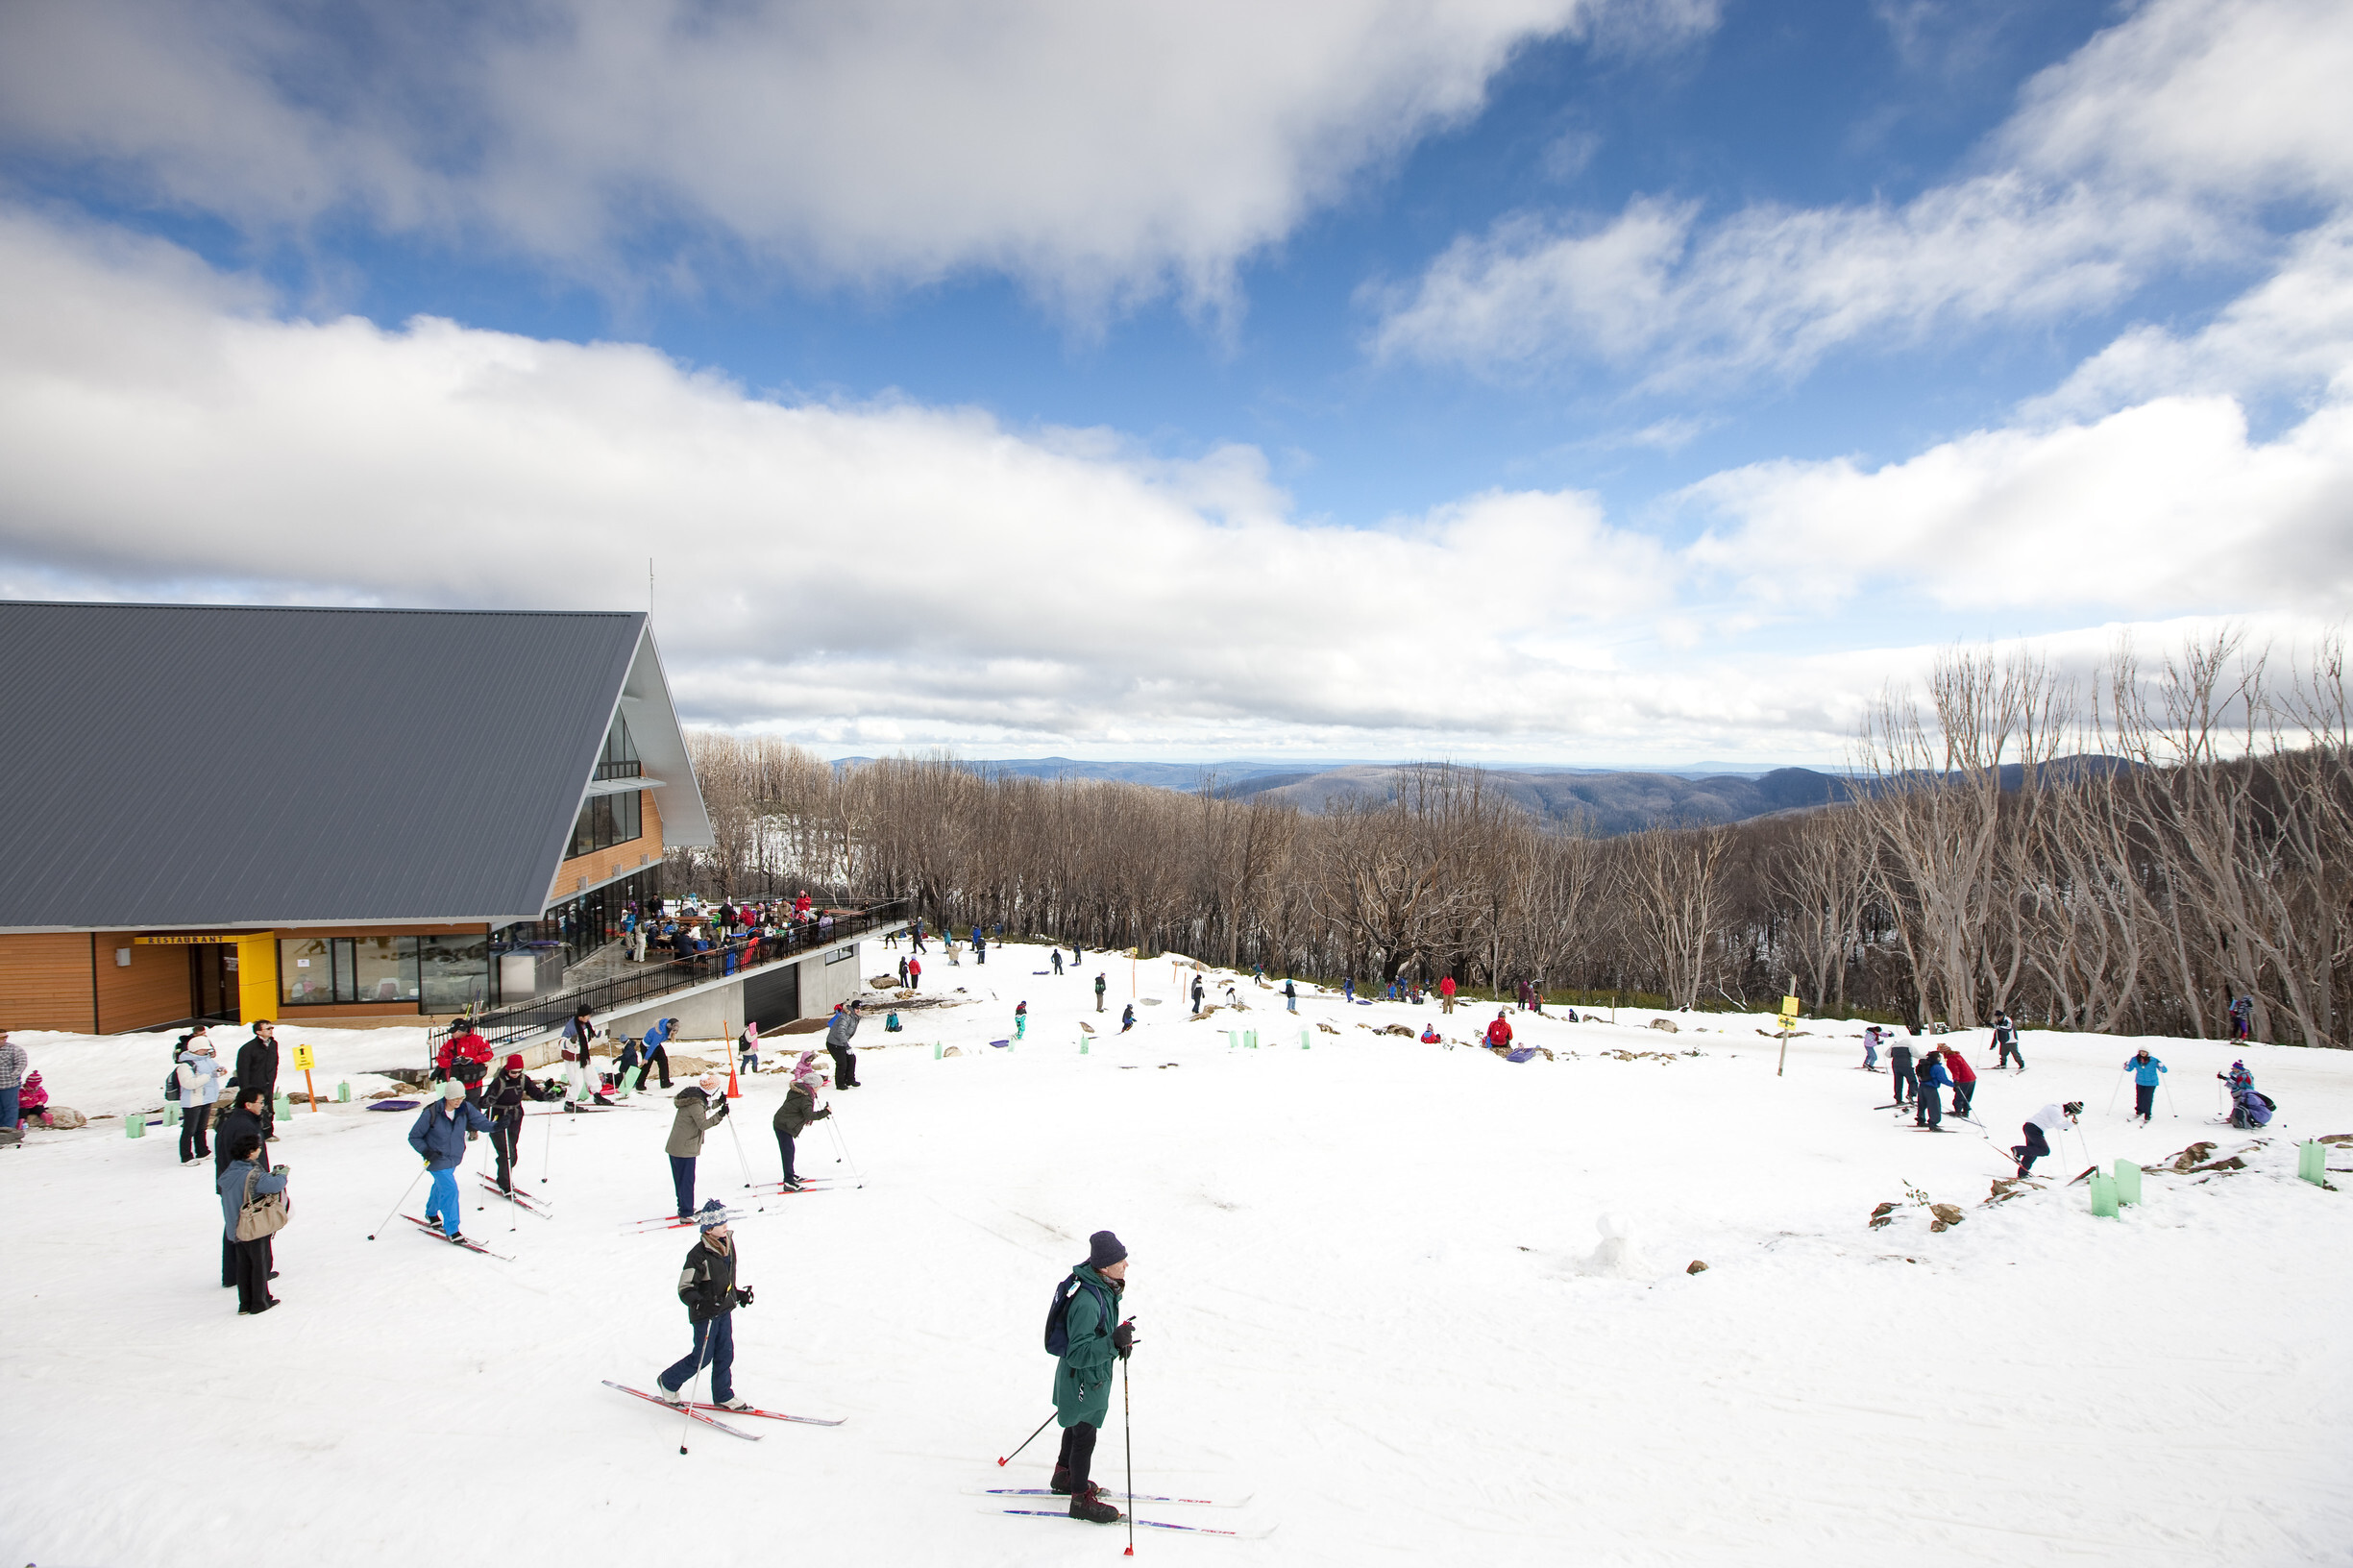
(200,1089)
(2042,1130)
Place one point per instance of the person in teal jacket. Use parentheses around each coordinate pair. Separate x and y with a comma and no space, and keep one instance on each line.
(1082,1373)
(2145,1070)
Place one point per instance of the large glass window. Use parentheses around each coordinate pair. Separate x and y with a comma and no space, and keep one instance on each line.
(619,757)
(312,970)
(454,972)
(605,821)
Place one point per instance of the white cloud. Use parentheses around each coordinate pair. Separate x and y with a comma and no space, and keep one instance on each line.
(2166,507)
(1091,150)
(876,575)
(1775,288)
(841,570)
(2162,144)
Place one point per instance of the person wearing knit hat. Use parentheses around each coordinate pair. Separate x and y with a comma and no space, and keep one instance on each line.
(707,1287)
(701,1107)
(439,1135)
(799,1109)
(505,1094)
(1087,1313)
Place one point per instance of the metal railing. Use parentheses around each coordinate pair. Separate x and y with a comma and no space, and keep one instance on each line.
(504,1025)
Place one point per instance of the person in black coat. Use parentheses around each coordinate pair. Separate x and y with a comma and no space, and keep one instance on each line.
(244,1116)
(258,1068)
(508,1088)
(707,1288)
(1899,1068)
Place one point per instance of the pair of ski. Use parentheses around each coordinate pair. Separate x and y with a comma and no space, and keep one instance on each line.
(521,1199)
(1131,1499)
(698,1411)
(808,1184)
(426,1227)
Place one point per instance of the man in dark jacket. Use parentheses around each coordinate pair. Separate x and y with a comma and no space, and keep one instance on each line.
(1082,1372)
(258,1068)
(1899,1068)
(439,1135)
(838,1036)
(707,1285)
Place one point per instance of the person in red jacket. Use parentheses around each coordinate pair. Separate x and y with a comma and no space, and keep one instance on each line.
(1964,1079)
(1499,1032)
(1446,994)
(465,1056)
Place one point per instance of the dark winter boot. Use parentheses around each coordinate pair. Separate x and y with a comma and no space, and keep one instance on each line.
(1077,1458)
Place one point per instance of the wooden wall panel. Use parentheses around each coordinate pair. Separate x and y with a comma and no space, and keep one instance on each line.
(45,981)
(153,990)
(638,855)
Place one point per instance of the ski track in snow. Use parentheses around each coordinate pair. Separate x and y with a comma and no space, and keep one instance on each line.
(1365,1291)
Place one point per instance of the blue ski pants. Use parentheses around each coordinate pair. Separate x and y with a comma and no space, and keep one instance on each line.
(714,1348)
(443,1203)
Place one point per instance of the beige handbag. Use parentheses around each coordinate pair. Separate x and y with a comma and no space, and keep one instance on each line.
(263,1216)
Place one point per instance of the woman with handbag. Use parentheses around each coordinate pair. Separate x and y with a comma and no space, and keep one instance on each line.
(252,1210)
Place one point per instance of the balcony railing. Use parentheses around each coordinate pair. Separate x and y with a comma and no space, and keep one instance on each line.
(541,1015)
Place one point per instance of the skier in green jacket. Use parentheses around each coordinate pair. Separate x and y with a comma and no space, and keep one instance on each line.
(1082,1373)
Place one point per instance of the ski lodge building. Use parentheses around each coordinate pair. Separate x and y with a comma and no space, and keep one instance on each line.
(315,815)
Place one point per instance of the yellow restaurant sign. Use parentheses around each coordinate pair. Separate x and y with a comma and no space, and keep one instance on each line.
(177,941)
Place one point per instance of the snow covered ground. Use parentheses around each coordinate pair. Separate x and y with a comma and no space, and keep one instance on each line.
(1365,1280)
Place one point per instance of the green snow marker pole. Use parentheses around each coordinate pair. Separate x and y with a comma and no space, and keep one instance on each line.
(935,1050)
(2103,1196)
(343,1093)
(171,1113)
(285,1106)
(1082,1044)
(2127,1182)
(1303,1039)
(1250,1041)
(2311,1163)
(135,1125)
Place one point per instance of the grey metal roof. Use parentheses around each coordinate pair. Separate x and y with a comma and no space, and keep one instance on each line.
(184,764)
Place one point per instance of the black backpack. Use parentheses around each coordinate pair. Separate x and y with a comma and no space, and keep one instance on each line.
(1058,1315)
(171,1084)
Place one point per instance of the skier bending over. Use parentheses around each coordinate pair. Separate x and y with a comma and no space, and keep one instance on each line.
(701,1107)
(1964,1079)
(2145,1070)
(2041,1128)
(798,1110)
(707,1285)
(1087,1310)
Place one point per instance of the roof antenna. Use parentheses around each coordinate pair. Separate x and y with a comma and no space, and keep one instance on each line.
(649,587)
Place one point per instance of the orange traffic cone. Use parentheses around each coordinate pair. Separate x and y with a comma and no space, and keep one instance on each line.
(733,1092)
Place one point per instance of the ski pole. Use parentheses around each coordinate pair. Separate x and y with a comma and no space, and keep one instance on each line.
(686,1408)
(395,1208)
(2118,1090)
(1026,1442)
(1127,1441)
(841,1143)
(2169,1101)
(743,1165)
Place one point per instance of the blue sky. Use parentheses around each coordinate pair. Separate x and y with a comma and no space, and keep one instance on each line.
(1524,380)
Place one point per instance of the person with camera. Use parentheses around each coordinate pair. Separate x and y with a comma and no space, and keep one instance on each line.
(701,1107)
(707,1288)
(465,1056)
(244,1182)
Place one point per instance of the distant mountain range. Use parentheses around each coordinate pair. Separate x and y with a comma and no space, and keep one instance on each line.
(1610,800)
